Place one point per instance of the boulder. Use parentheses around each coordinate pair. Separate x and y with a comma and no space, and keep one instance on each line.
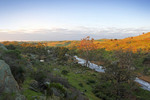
(34,85)
(8,84)
(7,80)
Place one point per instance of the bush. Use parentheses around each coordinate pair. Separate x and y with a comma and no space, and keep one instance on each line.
(14,54)
(39,76)
(57,79)
(16,63)
(80,84)
(91,81)
(11,47)
(103,91)
(64,72)
(8,96)
(18,73)
(58,86)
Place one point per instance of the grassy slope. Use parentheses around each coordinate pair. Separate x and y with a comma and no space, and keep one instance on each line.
(74,79)
(27,92)
(133,43)
(82,77)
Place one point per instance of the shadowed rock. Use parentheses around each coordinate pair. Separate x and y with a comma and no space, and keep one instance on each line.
(8,84)
(6,78)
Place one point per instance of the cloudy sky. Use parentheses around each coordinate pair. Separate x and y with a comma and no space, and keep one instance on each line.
(72,19)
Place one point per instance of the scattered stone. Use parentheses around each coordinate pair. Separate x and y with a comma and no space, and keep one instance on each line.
(34,85)
(78,72)
(56,92)
(41,60)
(56,69)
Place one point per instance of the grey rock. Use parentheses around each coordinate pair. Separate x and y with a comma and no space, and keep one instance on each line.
(20,97)
(7,82)
(34,85)
(56,69)
(56,92)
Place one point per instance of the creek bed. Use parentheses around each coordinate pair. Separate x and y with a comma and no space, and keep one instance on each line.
(145,85)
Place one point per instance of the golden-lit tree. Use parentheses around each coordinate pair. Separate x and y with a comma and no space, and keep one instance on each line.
(86,47)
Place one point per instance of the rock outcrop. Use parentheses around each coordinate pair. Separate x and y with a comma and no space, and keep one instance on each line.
(7,82)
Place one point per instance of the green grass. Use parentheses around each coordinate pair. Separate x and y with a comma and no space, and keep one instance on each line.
(65,44)
(143,94)
(100,40)
(75,79)
(59,45)
(27,92)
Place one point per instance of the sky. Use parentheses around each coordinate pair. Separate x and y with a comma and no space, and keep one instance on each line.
(53,20)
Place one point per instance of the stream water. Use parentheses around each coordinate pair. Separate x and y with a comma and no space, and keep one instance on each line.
(145,85)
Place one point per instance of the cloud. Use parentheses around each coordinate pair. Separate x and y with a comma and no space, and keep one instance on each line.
(70,34)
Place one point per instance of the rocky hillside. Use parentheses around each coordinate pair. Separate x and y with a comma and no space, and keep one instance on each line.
(9,88)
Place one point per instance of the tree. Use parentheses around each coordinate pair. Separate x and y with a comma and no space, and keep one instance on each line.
(118,79)
(86,47)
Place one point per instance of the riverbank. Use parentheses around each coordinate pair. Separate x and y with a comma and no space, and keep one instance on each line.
(144,84)
(143,77)
(139,75)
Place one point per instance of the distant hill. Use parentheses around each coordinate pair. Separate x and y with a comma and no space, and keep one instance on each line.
(141,42)
(134,43)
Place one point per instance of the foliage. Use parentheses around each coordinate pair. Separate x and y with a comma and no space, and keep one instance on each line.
(58,86)
(80,84)
(90,81)
(14,54)
(11,47)
(87,48)
(64,72)
(118,78)
(8,96)
(116,83)
(14,60)
(142,94)
(40,76)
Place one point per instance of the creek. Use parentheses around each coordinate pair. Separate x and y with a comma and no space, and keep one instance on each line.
(145,85)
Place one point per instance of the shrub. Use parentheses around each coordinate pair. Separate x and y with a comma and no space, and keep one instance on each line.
(91,82)
(18,73)
(8,96)
(39,76)
(58,79)
(64,72)
(16,63)
(14,54)
(11,47)
(80,84)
